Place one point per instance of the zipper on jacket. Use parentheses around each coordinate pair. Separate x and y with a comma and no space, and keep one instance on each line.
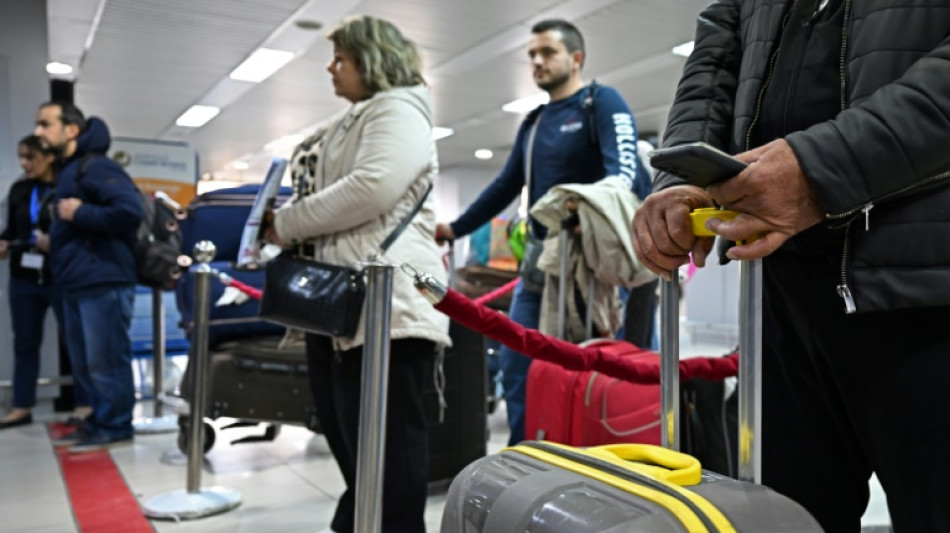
(792,93)
(843,290)
(866,208)
(765,85)
(867,215)
(843,64)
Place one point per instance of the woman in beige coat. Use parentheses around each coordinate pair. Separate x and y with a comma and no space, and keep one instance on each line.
(374,163)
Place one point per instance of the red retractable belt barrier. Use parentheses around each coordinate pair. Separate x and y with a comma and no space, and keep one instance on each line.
(608,358)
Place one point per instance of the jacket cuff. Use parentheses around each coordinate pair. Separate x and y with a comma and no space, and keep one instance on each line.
(665,180)
(828,163)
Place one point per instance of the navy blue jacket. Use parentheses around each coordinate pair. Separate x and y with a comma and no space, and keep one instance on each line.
(95,248)
(565,151)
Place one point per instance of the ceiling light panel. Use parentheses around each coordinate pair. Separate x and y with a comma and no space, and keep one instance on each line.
(197,116)
(439,132)
(261,64)
(524,105)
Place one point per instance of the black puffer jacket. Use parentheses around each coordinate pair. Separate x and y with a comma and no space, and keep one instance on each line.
(881,167)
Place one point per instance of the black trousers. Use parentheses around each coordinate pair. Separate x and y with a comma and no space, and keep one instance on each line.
(335,384)
(845,395)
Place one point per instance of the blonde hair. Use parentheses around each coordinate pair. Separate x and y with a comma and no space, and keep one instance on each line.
(385,58)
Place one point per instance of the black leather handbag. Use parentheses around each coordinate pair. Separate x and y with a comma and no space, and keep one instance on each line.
(318,297)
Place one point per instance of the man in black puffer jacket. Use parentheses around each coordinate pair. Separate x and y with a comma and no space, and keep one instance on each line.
(842,109)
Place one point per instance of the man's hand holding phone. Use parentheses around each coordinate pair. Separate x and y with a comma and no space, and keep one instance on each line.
(698,163)
(775,198)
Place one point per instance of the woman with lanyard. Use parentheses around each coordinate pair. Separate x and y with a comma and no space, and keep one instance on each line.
(25,242)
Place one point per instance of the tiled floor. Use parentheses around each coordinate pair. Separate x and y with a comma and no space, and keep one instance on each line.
(289,485)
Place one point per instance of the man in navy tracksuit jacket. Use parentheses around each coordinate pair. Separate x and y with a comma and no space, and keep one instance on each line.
(584,134)
(98,210)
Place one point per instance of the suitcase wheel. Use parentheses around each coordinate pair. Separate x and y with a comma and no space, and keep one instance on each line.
(184,424)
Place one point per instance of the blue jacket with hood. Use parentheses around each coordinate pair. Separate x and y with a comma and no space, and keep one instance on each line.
(95,248)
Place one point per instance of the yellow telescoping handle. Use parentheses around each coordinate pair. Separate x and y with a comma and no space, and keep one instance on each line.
(698,218)
(657,462)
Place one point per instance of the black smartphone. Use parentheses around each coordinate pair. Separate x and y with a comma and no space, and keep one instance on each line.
(698,163)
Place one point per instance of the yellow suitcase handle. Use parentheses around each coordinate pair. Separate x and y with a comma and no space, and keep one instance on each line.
(655,461)
(698,218)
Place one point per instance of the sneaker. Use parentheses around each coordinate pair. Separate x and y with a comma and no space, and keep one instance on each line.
(79,414)
(71,438)
(96,441)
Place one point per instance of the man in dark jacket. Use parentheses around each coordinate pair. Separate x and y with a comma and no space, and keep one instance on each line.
(91,240)
(842,110)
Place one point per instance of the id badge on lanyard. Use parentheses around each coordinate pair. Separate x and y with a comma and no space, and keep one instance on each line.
(33,260)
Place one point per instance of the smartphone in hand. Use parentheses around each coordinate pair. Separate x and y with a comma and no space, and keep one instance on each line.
(698,163)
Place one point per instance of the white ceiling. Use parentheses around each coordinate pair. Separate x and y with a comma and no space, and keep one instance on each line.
(141,63)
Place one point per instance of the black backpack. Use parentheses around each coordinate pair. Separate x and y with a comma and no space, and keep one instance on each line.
(157,241)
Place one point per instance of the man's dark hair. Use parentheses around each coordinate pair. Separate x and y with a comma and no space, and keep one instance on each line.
(573,40)
(69,113)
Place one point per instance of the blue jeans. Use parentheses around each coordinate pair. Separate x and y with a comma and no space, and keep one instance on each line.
(29,302)
(525,310)
(96,321)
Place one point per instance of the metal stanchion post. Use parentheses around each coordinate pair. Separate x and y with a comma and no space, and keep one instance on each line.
(670,362)
(370,463)
(451,261)
(750,371)
(158,423)
(196,501)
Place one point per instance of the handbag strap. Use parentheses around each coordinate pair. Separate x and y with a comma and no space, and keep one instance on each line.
(405,222)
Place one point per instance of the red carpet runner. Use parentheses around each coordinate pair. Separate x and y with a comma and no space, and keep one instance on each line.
(100,498)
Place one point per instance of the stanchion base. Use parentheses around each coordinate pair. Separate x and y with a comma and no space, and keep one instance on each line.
(184,505)
(154,425)
(174,457)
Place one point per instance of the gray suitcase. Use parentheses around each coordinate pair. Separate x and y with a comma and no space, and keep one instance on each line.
(545,488)
(514,491)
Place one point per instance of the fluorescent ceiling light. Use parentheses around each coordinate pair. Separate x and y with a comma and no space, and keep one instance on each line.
(439,132)
(683,49)
(55,67)
(240,165)
(523,105)
(197,116)
(261,64)
(483,154)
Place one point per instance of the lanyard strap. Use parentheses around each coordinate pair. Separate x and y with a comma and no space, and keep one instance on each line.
(36,203)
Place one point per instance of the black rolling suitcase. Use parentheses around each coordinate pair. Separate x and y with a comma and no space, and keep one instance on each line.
(458,433)
(254,381)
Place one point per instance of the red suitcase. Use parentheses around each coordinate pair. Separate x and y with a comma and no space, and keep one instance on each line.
(589,408)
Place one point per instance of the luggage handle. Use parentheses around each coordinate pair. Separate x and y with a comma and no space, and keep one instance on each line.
(662,463)
(750,359)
